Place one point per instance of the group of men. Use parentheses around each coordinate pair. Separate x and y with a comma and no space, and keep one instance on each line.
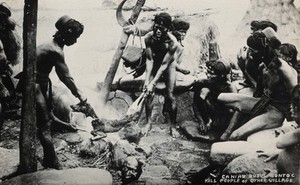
(268,66)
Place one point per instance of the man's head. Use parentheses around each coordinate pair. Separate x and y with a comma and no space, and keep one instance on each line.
(68,29)
(261,25)
(162,24)
(288,52)
(10,39)
(5,22)
(217,69)
(179,28)
(132,170)
(257,41)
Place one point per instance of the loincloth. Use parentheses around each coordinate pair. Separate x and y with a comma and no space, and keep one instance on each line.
(261,106)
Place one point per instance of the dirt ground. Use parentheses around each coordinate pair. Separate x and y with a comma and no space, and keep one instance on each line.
(94,51)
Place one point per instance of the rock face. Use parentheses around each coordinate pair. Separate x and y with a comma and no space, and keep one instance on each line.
(249,164)
(283,13)
(9,161)
(69,176)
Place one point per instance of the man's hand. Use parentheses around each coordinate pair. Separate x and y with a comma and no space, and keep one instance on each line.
(270,155)
(150,88)
(82,99)
(130,29)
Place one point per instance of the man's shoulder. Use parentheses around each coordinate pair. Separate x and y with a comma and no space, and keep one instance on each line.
(50,47)
(148,36)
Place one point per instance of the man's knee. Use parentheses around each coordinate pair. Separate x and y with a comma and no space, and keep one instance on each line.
(235,135)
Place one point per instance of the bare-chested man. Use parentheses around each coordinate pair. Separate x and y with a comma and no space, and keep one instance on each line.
(9,51)
(275,83)
(179,30)
(248,60)
(160,49)
(210,113)
(50,55)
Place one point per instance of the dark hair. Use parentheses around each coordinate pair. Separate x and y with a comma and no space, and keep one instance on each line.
(10,39)
(163,19)
(266,23)
(70,28)
(179,24)
(260,25)
(220,67)
(289,50)
(4,9)
(257,41)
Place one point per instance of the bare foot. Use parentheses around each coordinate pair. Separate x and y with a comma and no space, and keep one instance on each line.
(203,128)
(146,129)
(174,132)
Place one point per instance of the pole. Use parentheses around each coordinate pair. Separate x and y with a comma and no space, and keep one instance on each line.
(28,161)
(105,90)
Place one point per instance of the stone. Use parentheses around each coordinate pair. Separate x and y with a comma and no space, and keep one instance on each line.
(224,152)
(73,138)
(9,161)
(155,172)
(191,130)
(264,140)
(131,132)
(90,148)
(69,176)
(250,164)
(123,149)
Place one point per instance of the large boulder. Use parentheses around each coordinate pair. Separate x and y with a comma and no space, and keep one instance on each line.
(250,165)
(69,176)
(9,161)
(224,152)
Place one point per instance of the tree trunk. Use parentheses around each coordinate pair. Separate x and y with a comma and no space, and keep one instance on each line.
(118,54)
(28,161)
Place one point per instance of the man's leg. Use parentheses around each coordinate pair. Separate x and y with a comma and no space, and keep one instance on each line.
(43,124)
(241,102)
(170,85)
(200,111)
(148,109)
(272,118)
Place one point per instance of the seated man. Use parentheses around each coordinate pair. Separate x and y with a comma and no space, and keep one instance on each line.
(288,52)
(248,60)
(275,83)
(208,110)
(160,65)
(289,144)
(10,46)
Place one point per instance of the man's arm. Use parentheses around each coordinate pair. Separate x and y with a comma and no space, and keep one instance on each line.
(149,59)
(64,75)
(289,139)
(169,57)
(259,86)
(178,60)
(289,74)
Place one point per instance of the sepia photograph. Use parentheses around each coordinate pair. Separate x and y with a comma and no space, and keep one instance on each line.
(142,92)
